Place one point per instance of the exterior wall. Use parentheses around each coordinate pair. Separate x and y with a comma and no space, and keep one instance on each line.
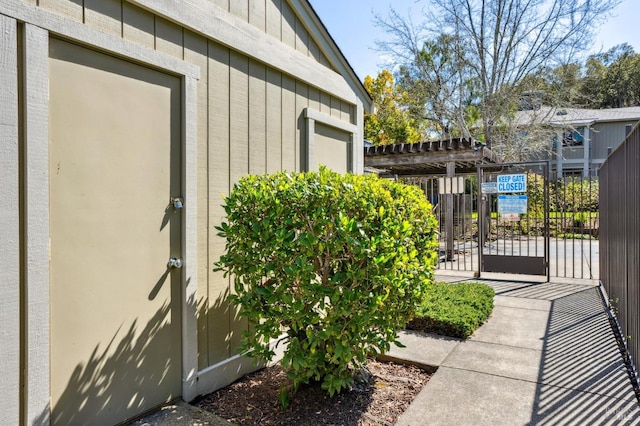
(249,114)
(278,19)
(235,138)
(598,139)
(608,135)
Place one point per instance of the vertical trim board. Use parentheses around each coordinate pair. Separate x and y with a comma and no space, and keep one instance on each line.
(189,236)
(36,69)
(9,224)
(358,140)
(196,51)
(302,102)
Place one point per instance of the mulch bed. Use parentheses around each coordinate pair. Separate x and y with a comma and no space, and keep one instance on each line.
(254,399)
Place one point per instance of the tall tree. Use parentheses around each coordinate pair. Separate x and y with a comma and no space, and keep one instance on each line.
(439,89)
(391,122)
(612,78)
(560,86)
(504,41)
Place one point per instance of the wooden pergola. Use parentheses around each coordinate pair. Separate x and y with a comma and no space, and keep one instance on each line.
(446,157)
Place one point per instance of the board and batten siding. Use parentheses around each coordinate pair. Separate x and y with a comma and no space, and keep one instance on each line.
(276,18)
(250,119)
(607,135)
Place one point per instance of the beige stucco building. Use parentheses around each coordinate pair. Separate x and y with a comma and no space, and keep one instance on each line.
(122,124)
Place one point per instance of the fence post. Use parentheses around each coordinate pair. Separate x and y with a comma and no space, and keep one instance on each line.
(451,172)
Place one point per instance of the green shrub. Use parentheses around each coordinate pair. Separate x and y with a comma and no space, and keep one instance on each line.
(338,263)
(576,194)
(455,310)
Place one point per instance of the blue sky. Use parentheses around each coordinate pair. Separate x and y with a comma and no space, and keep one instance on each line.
(350,24)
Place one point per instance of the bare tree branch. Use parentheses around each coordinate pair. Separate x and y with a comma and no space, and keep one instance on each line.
(502,41)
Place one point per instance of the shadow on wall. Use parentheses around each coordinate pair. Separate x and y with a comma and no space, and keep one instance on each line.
(583,379)
(116,383)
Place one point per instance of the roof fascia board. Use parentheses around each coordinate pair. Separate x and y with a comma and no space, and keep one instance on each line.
(617,120)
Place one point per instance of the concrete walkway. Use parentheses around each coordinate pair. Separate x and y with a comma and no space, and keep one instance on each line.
(547,355)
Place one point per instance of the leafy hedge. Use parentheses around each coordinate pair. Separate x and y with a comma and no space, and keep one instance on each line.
(576,194)
(455,310)
(338,263)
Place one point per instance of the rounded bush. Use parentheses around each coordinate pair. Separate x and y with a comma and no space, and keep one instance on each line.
(334,263)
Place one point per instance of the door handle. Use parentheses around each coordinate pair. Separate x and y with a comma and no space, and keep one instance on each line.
(174,263)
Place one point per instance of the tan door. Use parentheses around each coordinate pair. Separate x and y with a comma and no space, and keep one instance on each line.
(114,166)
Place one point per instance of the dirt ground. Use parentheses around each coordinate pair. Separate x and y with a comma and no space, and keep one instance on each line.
(254,399)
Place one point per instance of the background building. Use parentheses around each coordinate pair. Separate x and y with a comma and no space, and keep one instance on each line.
(582,136)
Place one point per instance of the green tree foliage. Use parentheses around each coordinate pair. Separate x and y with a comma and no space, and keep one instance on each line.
(606,80)
(612,79)
(390,123)
(336,263)
(558,87)
(440,89)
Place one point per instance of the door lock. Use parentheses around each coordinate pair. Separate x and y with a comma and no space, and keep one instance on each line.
(177,202)
(174,263)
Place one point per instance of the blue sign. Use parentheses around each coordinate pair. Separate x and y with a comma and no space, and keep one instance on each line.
(512,204)
(512,183)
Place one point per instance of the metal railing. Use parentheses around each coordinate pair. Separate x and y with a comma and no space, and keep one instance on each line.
(620,236)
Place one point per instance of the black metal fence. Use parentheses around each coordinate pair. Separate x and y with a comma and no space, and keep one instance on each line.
(574,224)
(620,236)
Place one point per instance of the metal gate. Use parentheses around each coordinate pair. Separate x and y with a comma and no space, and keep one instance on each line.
(573,222)
(513,219)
